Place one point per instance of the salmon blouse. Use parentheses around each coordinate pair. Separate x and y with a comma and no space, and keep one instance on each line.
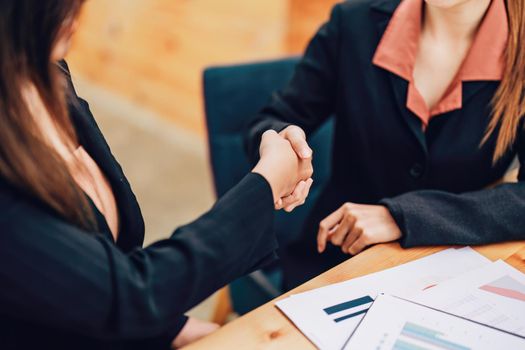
(398,48)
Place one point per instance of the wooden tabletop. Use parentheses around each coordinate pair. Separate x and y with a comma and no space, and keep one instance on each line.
(267,328)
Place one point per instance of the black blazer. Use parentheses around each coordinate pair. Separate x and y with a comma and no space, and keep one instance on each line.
(433,182)
(63,288)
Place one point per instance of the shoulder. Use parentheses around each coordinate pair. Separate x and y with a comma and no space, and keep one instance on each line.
(355,8)
(361,16)
(350,6)
(359,25)
(10,199)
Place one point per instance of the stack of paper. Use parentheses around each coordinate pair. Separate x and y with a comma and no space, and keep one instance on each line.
(411,326)
(328,315)
(493,295)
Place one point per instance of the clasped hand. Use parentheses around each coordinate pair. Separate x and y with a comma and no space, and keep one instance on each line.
(286,162)
(297,138)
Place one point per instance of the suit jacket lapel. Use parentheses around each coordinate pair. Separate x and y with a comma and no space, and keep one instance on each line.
(131,225)
(400,89)
(382,13)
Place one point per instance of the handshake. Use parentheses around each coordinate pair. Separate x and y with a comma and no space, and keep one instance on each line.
(286,163)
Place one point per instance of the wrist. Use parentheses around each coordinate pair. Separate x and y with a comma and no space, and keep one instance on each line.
(265,171)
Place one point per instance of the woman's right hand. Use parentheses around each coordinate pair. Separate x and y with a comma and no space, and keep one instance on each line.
(283,169)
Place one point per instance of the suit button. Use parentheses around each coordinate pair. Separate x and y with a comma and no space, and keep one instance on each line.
(417,171)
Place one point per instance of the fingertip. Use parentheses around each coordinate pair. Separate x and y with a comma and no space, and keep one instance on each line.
(321,241)
(309,182)
(305,153)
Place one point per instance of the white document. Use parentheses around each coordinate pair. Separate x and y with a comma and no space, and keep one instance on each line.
(493,295)
(326,316)
(396,324)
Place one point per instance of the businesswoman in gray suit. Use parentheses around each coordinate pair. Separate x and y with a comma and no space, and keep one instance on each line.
(73,274)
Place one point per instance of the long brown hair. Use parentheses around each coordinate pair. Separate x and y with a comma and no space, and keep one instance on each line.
(509,101)
(29,30)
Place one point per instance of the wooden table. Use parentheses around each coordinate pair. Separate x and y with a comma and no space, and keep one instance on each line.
(267,328)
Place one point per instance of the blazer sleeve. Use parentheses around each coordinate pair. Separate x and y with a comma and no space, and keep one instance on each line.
(55,274)
(480,217)
(309,99)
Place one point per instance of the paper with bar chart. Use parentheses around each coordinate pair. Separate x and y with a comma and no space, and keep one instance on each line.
(327,315)
(507,287)
(393,323)
(493,295)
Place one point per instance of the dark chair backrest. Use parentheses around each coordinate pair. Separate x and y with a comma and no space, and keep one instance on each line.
(233,95)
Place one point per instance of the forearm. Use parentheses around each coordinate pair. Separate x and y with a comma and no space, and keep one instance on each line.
(234,238)
(481,217)
(309,99)
(60,276)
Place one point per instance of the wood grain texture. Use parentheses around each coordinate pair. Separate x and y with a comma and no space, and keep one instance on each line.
(223,308)
(267,328)
(153,51)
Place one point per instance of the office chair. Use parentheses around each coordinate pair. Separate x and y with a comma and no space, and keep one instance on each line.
(233,95)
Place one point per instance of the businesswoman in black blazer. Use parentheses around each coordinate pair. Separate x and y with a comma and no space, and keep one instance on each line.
(72,271)
(428,100)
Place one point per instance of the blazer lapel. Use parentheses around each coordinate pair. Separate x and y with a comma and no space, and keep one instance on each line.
(131,225)
(382,13)
(400,89)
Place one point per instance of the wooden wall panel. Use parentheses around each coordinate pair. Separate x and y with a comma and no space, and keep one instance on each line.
(304,18)
(153,51)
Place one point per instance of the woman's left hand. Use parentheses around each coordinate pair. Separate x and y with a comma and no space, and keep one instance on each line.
(354,227)
(192,331)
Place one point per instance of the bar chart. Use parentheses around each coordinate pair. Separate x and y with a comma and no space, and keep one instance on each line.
(506,286)
(417,337)
(392,323)
(349,309)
